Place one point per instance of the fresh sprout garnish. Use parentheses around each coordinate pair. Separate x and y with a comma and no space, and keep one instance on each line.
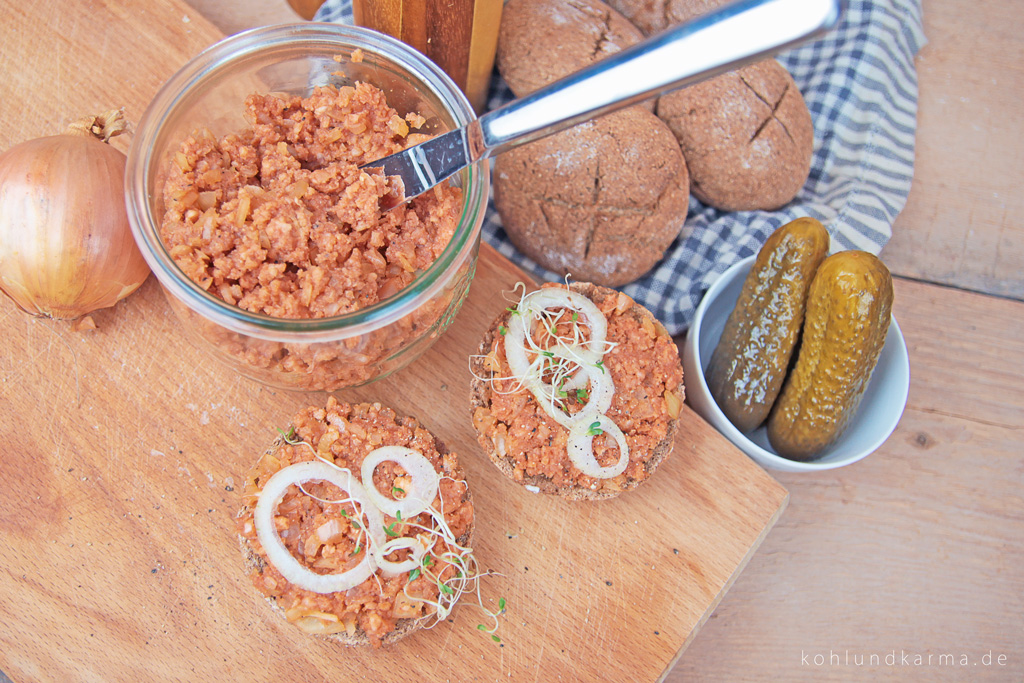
(555,349)
(289,436)
(454,572)
(502,330)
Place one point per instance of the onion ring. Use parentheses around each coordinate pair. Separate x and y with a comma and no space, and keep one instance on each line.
(602,386)
(424,481)
(389,568)
(581,448)
(551,297)
(278,554)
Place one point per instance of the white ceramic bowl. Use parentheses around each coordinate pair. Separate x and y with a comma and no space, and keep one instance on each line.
(877,416)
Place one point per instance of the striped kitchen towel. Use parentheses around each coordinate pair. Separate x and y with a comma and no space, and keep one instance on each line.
(860,86)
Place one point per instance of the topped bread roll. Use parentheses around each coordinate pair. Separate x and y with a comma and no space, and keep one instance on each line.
(356,524)
(577,392)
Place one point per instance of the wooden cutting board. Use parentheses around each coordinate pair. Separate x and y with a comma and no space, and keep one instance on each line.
(123,449)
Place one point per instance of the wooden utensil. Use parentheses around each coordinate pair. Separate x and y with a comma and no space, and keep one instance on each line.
(460,36)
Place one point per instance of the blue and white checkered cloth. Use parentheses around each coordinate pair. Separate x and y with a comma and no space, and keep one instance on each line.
(860,85)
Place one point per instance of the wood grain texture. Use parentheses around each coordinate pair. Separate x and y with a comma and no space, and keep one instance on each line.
(123,450)
(962,225)
(42,50)
(915,550)
(123,454)
(460,36)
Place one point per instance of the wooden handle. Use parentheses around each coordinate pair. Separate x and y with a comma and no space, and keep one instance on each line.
(459,36)
(305,8)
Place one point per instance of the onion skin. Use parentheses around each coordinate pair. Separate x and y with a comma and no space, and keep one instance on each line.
(66,248)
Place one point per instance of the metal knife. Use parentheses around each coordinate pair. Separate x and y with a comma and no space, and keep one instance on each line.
(720,41)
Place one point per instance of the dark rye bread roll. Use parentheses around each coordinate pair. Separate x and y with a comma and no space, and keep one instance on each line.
(600,202)
(747,137)
(654,16)
(540,41)
(531,448)
(375,612)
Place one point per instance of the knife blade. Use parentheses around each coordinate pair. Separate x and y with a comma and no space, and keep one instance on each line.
(722,40)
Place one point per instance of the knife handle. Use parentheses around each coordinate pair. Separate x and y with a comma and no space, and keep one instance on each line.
(720,41)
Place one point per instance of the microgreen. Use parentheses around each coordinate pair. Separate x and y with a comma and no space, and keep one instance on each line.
(390,530)
(595,428)
(289,436)
(396,490)
(600,364)
(581,394)
(414,574)
(502,330)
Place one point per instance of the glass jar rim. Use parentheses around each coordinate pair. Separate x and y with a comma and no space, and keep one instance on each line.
(222,55)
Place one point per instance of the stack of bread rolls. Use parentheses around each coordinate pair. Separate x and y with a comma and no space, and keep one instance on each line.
(603,201)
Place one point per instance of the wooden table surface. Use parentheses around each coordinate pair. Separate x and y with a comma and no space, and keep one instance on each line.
(909,564)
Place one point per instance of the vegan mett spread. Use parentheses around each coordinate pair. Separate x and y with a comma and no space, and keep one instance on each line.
(319,525)
(552,444)
(279,219)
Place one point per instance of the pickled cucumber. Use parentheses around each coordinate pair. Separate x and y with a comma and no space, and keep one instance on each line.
(749,363)
(849,311)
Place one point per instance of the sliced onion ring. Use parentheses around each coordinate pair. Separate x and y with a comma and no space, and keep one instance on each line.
(559,297)
(389,568)
(581,448)
(599,398)
(530,308)
(602,386)
(278,554)
(424,481)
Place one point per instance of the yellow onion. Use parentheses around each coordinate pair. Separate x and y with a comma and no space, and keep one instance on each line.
(66,248)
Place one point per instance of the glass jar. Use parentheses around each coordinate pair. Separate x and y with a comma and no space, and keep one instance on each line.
(209,92)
